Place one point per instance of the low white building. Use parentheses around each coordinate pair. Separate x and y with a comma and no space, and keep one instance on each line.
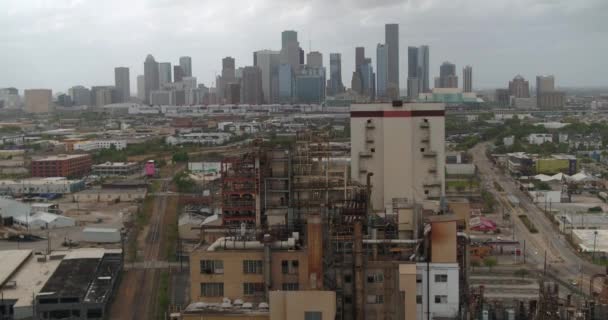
(240,127)
(438,282)
(44,220)
(508,141)
(58,185)
(540,138)
(203,138)
(109,195)
(91,145)
(116,169)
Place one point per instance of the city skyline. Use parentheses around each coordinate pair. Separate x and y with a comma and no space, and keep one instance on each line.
(536,51)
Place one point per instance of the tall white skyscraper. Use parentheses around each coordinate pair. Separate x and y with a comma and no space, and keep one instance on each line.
(141,87)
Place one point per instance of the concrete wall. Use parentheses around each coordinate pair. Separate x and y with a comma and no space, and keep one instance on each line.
(428,288)
(293,305)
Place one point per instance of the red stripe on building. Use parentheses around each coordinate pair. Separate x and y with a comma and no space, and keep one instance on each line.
(397,114)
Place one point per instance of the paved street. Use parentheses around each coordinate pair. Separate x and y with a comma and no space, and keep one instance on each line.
(562,260)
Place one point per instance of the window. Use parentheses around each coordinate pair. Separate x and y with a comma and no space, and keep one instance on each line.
(348,278)
(313,315)
(418,278)
(291,286)
(375,299)
(375,277)
(369,120)
(253,288)
(419,299)
(212,266)
(94,313)
(252,266)
(441,299)
(426,192)
(373,150)
(290,266)
(348,299)
(421,149)
(212,289)
(441,278)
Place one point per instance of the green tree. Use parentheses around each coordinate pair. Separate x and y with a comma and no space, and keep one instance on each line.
(180,156)
(490,262)
(521,273)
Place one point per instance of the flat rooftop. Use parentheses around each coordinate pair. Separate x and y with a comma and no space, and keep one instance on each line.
(62,157)
(86,274)
(588,238)
(29,279)
(11,261)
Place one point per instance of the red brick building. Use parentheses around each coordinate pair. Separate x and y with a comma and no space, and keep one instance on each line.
(76,165)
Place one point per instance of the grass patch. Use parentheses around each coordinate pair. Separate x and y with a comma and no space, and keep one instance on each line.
(142,216)
(172,231)
(162,297)
(154,186)
(531,227)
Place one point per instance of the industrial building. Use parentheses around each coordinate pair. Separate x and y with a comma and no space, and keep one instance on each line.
(109,195)
(399,149)
(76,165)
(55,185)
(81,286)
(387,248)
(117,169)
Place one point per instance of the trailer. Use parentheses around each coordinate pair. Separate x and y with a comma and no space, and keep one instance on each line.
(101,235)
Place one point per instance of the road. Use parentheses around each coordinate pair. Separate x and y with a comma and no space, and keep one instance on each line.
(562,260)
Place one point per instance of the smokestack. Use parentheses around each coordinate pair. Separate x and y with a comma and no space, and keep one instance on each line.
(315,251)
(359,281)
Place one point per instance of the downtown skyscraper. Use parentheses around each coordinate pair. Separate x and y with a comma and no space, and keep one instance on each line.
(151,78)
(423,64)
(186,64)
(268,62)
(122,83)
(413,71)
(467,79)
(164,73)
(391,34)
(335,74)
(382,70)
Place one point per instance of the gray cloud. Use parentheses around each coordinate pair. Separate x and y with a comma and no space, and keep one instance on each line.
(60,43)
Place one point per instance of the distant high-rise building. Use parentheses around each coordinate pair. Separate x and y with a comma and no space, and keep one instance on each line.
(302,57)
(423,63)
(546,95)
(291,53)
(9,98)
(38,100)
(178,73)
(141,87)
(502,97)
(232,93)
(228,69)
(467,79)
(268,62)
(151,76)
(285,83)
(251,86)
(81,96)
(368,79)
(519,87)
(103,95)
(382,70)
(189,82)
(122,83)
(447,76)
(413,70)
(335,74)
(164,73)
(186,64)
(359,57)
(64,100)
(314,59)
(391,40)
(310,85)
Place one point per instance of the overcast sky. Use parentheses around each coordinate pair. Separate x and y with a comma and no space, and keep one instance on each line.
(60,43)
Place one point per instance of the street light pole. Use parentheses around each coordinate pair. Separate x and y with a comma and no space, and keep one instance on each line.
(594,241)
